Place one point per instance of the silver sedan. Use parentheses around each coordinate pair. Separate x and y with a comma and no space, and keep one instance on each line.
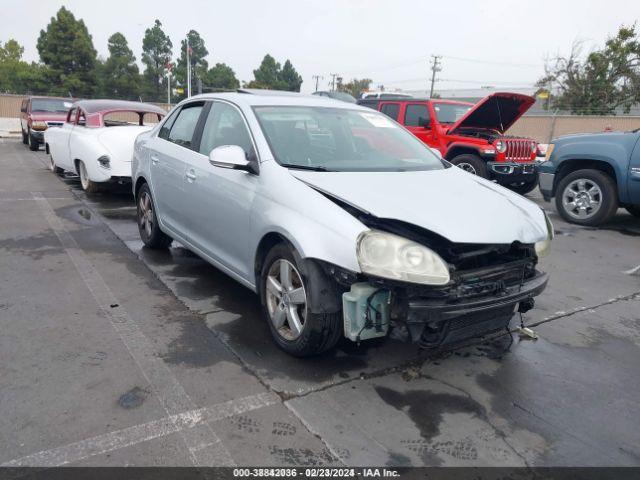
(342,221)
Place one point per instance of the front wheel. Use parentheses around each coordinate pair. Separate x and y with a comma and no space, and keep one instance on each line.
(285,292)
(87,184)
(25,140)
(53,167)
(587,197)
(148,227)
(633,210)
(470,163)
(33,143)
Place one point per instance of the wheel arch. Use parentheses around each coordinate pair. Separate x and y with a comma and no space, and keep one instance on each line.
(457,149)
(138,185)
(573,164)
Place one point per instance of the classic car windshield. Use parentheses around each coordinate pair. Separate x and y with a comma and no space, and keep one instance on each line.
(341,140)
(450,112)
(53,105)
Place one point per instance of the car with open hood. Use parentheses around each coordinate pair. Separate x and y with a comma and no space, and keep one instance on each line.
(472,136)
(344,223)
(96,140)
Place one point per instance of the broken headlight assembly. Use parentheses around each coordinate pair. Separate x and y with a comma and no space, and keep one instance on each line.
(543,247)
(386,255)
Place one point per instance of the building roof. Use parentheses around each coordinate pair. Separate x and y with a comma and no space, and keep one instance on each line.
(95,106)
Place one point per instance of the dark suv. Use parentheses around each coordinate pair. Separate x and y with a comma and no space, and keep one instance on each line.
(39,113)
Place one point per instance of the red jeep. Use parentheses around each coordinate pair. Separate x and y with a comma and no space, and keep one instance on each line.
(472,136)
(39,113)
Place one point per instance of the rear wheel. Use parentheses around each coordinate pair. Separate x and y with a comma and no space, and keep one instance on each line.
(633,210)
(25,140)
(88,185)
(587,197)
(148,227)
(285,292)
(470,163)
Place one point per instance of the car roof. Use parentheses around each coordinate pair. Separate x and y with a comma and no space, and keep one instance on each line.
(255,97)
(95,106)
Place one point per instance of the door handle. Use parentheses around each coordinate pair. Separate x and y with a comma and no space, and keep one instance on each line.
(154,159)
(191,176)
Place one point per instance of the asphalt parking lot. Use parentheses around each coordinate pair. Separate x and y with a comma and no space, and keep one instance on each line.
(111,354)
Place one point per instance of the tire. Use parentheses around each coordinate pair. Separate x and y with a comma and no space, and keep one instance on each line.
(633,210)
(523,188)
(88,185)
(471,163)
(592,194)
(53,167)
(25,140)
(318,332)
(34,145)
(148,226)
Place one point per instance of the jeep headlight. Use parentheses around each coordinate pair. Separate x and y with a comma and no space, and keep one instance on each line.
(543,247)
(501,146)
(389,256)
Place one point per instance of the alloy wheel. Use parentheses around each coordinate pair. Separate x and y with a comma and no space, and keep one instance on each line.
(286,299)
(146,216)
(467,167)
(582,198)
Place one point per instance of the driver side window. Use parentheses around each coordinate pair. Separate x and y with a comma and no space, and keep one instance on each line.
(225,126)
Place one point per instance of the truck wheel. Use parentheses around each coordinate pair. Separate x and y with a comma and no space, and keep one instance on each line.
(524,187)
(471,163)
(33,143)
(88,185)
(285,296)
(148,225)
(25,140)
(633,210)
(587,197)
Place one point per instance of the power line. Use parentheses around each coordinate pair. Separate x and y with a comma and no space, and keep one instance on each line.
(317,78)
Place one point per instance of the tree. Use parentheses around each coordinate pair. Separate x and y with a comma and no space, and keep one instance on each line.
(66,48)
(355,87)
(156,55)
(608,79)
(197,58)
(18,76)
(221,77)
(270,75)
(290,77)
(120,75)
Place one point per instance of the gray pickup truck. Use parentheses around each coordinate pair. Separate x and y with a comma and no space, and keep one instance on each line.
(592,175)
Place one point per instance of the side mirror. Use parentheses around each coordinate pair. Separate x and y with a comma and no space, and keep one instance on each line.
(232,157)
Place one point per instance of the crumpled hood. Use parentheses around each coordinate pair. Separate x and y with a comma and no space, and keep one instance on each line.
(454,204)
(119,140)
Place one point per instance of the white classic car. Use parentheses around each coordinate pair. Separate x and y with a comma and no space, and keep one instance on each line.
(96,141)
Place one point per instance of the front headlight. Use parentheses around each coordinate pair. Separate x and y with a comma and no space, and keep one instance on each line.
(38,126)
(501,146)
(390,256)
(543,247)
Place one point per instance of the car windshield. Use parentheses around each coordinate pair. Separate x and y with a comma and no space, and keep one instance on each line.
(342,140)
(53,105)
(450,112)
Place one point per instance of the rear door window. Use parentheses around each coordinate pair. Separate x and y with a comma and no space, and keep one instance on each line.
(391,110)
(183,129)
(416,115)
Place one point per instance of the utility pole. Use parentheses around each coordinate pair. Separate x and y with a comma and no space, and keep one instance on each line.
(169,67)
(435,68)
(188,68)
(333,81)
(317,78)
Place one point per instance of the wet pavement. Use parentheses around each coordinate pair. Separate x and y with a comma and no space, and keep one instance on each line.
(568,398)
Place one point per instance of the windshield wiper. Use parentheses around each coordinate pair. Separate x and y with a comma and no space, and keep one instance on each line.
(305,167)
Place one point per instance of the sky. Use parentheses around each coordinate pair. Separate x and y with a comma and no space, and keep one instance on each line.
(496,43)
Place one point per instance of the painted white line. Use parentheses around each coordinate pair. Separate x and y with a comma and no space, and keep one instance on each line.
(126,437)
(168,390)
